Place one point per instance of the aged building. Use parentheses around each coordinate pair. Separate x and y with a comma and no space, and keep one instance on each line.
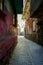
(30,24)
(7,32)
(37,12)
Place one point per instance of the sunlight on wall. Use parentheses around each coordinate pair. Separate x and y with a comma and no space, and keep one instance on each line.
(21,22)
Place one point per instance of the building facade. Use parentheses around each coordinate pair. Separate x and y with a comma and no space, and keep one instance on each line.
(37,12)
(7,33)
(30,24)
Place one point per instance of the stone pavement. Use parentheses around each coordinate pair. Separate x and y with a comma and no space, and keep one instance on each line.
(27,53)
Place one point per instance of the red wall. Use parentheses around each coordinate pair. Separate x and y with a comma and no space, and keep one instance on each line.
(8,18)
(5,22)
(7,41)
(2,28)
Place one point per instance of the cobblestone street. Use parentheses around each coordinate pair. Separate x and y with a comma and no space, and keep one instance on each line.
(27,53)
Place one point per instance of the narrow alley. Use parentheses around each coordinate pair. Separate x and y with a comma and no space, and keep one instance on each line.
(21,32)
(27,53)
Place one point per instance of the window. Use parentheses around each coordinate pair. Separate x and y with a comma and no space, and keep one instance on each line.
(34,26)
(13,19)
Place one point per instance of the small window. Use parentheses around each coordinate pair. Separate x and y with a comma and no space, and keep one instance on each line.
(34,26)
(13,19)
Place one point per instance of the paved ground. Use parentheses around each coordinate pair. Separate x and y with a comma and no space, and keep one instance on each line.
(27,53)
